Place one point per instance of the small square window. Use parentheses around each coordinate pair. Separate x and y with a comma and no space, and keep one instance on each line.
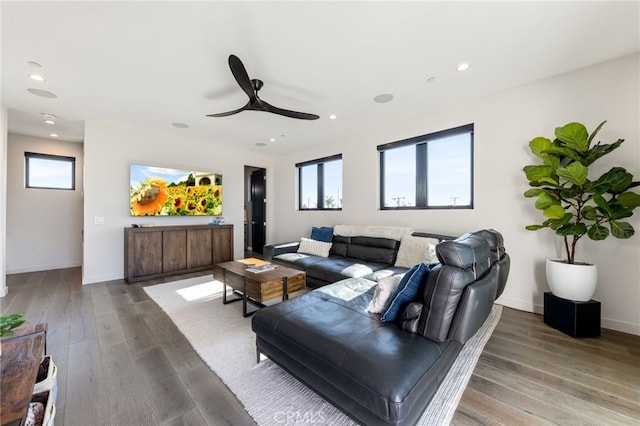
(47,171)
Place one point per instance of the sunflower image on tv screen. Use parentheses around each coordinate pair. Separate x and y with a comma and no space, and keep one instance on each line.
(156,191)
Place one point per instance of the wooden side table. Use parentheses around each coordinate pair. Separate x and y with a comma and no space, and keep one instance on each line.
(21,358)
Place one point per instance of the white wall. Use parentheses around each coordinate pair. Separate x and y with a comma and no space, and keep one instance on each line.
(44,226)
(504,124)
(109,151)
(3,201)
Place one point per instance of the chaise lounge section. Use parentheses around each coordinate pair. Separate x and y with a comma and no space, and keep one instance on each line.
(385,373)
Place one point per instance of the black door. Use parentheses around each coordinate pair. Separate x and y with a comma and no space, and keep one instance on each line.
(258,210)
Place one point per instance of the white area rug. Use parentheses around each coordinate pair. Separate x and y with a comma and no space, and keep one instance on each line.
(224,340)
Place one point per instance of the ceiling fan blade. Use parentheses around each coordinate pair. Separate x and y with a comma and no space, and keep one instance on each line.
(228,113)
(241,76)
(288,113)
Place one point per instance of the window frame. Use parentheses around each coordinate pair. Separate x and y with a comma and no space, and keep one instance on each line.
(319,182)
(422,194)
(34,155)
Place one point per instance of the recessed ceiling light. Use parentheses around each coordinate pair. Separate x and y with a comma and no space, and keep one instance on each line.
(463,66)
(332,117)
(42,93)
(431,80)
(53,135)
(261,144)
(49,122)
(272,139)
(34,64)
(36,77)
(383,98)
(180,125)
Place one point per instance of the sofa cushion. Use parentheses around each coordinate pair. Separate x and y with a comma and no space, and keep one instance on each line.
(384,289)
(370,249)
(463,261)
(316,248)
(387,271)
(339,245)
(466,251)
(322,233)
(297,260)
(414,250)
(336,268)
(407,291)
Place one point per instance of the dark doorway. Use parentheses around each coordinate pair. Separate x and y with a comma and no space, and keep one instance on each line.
(256,210)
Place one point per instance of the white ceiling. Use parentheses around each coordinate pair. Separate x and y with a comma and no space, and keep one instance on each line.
(146,65)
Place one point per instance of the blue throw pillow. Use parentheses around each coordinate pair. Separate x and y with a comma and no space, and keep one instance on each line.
(322,234)
(407,291)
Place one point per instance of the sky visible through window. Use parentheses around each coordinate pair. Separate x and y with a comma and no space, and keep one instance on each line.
(400,177)
(448,173)
(332,185)
(48,173)
(309,183)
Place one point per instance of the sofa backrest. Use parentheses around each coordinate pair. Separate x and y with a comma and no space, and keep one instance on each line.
(369,249)
(373,249)
(469,272)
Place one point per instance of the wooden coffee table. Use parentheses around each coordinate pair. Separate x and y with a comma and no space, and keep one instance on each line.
(257,288)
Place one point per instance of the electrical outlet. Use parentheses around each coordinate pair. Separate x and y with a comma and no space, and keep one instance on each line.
(98,220)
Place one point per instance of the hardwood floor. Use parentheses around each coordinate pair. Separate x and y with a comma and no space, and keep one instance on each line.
(121,361)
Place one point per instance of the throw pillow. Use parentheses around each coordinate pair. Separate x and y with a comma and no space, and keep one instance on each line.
(414,250)
(322,234)
(406,292)
(316,248)
(384,289)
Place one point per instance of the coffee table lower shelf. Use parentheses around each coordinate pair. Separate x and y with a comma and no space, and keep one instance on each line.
(257,288)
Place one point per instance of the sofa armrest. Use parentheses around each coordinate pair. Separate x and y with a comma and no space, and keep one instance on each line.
(272,250)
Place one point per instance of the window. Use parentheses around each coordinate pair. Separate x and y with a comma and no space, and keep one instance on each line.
(320,184)
(433,171)
(49,171)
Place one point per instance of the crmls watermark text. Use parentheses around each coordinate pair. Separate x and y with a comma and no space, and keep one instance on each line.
(291,417)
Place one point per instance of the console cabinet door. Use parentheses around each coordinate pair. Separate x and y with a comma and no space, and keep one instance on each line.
(222,244)
(200,247)
(146,253)
(174,255)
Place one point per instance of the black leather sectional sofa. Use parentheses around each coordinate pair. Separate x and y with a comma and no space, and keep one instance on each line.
(377,372)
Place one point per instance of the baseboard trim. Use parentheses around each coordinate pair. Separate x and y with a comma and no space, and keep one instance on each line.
(38,268)
(101,278)
(622,326)
(608,323)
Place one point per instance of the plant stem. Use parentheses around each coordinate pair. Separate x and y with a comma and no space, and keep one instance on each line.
(569,252)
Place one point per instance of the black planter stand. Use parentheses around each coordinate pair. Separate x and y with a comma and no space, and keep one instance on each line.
(577,319)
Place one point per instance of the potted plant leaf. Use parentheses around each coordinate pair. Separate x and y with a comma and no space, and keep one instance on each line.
(9,322)
(576,204)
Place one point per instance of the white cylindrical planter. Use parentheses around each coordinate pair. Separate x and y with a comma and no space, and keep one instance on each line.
(572,281)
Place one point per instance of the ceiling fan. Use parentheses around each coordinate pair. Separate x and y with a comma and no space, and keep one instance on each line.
(251,88)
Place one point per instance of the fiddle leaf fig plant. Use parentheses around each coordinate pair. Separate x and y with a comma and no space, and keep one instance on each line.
(573,204)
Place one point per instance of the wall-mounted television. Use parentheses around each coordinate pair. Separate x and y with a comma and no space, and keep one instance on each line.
(160,191)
